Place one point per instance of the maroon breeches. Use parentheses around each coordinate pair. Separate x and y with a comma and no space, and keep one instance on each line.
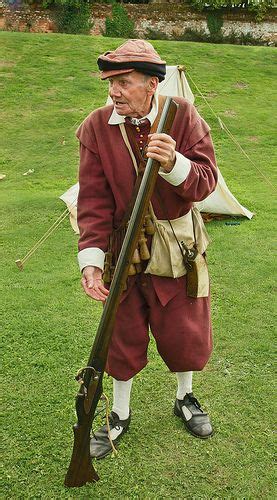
(181,328)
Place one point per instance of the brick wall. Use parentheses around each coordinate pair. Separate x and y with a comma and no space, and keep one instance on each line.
(169,18)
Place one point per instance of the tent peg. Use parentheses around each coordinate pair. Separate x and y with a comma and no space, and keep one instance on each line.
(19,264)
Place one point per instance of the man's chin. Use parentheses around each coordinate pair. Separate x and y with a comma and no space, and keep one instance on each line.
(121,110)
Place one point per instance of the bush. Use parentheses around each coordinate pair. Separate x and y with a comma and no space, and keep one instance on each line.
(191,35)
(155,35)
(214,22)
(249,39)
(135,1)
(259,7)
(73,17)
(119,25)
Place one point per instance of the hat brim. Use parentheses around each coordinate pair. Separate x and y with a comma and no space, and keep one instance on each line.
(114,72)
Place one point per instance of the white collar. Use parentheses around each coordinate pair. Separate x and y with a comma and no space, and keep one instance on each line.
(116,119)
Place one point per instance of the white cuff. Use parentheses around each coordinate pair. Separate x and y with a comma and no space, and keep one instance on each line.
(179,172)
(91,257)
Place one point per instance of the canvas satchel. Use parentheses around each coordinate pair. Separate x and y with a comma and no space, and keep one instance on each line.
(168,251)
(165,256)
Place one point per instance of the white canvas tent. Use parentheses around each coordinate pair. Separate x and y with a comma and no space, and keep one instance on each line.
(221,201)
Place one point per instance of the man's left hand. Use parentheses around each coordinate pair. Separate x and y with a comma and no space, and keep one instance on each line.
(161,147)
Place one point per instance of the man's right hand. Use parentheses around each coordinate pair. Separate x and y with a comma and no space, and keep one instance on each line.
(92,283)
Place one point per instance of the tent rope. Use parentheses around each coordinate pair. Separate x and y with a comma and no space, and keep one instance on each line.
(20,262)
(229,133)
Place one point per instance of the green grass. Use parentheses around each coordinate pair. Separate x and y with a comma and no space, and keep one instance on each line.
(48,86)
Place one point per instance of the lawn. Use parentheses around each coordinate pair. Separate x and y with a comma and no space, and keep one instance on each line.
(48,85)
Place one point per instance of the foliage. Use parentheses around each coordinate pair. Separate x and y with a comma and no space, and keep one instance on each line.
(78,4)
(259,7)
(192,35)
(232,38)
(119,25)
(73,16)
(152,34)
(214,22)
(48,3)
(48,324)
(136,1)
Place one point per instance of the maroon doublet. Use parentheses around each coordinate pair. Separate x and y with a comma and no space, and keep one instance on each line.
(181,325)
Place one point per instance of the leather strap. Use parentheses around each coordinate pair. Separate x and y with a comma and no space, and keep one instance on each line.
(133,147)
(132,144)
(128,145)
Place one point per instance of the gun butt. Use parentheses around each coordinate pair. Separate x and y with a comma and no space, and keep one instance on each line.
(80,470)
(88,475)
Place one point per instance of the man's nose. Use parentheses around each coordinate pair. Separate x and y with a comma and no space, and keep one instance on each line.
(114,89)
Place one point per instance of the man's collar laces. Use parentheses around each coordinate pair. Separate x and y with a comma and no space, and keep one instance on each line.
(136,121)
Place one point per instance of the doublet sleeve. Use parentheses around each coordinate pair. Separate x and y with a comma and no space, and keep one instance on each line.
(95,207)
(196,145)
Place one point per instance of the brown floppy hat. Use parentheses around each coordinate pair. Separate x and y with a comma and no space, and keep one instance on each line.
(133,55)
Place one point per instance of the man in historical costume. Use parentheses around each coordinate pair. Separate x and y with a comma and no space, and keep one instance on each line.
(180,324)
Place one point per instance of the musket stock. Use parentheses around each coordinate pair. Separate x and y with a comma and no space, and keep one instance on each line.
(80,470)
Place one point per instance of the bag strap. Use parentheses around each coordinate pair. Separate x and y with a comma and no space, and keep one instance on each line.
(128,145)
(132,147)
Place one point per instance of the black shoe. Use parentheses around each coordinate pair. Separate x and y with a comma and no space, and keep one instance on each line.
(100,445)
(196,421)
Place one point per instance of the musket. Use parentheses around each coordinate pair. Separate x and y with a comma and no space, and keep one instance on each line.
(81,470)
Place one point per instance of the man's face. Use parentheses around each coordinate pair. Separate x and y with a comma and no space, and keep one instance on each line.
(132,93)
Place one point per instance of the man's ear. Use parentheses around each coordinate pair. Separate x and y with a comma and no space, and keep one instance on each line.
(152,84)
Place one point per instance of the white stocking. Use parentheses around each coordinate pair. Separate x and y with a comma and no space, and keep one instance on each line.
(121,397)
(184,380)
